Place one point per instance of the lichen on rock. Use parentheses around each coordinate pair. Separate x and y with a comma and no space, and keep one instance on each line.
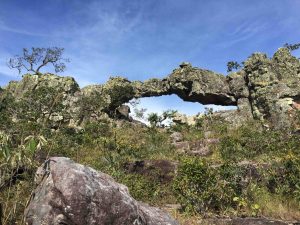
(266,89)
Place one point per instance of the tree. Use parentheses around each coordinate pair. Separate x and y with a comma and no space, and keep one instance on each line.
(154,119)
(233,65)
(32,60)
(292,47)
(157,120)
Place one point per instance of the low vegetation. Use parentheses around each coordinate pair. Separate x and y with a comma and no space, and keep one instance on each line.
(252,171)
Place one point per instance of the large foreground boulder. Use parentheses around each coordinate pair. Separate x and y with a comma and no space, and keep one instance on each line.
(71,194)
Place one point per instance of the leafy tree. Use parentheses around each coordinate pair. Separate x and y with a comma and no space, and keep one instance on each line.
(233,65)
(32,60)
(292,47)
(157,120)
(154,119)
(140,113)
(90,105)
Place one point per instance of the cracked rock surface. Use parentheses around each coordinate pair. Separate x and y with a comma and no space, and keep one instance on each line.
(72,194)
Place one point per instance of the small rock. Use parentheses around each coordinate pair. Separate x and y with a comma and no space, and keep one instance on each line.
(185,64)
(182,147)
(176,137)
(123,112)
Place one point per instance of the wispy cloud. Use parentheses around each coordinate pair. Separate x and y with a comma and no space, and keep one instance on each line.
(243,32)
(6,28)
(102,27)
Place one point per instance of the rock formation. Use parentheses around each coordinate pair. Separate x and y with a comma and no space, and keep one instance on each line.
(72,194)
(266,89)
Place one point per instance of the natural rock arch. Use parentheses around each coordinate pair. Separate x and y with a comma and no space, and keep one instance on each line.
(266,89)
(190,84)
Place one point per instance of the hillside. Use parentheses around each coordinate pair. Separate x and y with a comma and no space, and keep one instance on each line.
(232,167)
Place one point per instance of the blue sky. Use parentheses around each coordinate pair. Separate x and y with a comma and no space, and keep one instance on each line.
(140,39)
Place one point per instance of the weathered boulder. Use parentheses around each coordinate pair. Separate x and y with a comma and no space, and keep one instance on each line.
(72,194)
(122,112)
(48,98)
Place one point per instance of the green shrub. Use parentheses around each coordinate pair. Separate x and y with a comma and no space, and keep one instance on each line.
(284,177)
(249,142)
(147,189)
(200,187)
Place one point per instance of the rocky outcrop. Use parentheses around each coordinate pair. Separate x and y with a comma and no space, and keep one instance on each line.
(273,85)
(266,89)
(72,194)
(58,101)
(191,84)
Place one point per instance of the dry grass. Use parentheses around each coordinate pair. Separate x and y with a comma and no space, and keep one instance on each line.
(184,219)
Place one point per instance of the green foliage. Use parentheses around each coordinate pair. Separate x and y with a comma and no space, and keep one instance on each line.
(90,104)
(202,188)
(292,47)
(216,185)
(154,119)
(118,90)
(233,65)
(250,141)
(157,120)
(35,107)
(147,189)
(284,177)
(138,112)
(17,167)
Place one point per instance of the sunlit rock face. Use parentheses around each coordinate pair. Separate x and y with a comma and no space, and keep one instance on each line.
(274,86)
(190,84)
(266,89)
(70,193)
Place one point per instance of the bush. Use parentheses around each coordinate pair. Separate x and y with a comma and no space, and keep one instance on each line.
(147,189)
(249,142)
(202,188)
(284,177)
